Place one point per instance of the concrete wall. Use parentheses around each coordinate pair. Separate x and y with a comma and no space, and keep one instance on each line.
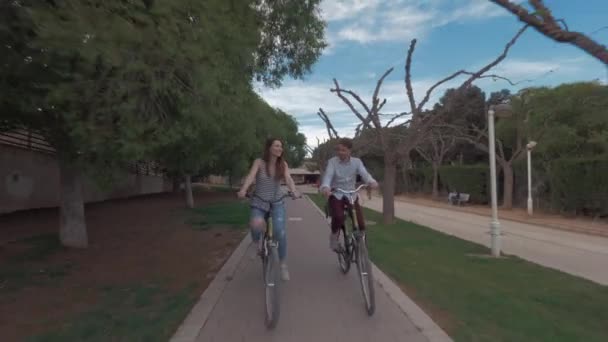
(30,180)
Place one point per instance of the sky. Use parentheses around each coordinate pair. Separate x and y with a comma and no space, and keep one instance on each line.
(367,37)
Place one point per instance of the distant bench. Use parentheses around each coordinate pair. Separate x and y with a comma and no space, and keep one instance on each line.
(458,198)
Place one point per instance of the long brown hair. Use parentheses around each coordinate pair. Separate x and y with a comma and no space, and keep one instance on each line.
(279,171)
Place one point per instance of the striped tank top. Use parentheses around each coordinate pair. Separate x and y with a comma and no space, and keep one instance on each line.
(266,187)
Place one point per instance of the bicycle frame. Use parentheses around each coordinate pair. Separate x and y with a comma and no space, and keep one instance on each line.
(351,207)
(355,251)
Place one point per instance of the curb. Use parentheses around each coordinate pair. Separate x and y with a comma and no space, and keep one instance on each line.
(197,318)
(419,318)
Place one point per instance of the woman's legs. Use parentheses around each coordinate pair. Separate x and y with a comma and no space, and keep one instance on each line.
(278,228)
(258,226)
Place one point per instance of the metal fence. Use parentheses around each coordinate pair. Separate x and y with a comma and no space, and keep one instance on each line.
(35,142)
(27,140)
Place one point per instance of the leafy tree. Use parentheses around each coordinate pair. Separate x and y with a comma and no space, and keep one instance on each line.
(104,82)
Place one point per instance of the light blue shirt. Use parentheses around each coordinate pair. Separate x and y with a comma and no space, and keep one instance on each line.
(343,174)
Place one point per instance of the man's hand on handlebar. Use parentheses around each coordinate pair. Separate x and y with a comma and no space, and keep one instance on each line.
(372,185)
(326,192)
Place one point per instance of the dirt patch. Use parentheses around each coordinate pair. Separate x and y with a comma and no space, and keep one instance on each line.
(144,240)
(583,225)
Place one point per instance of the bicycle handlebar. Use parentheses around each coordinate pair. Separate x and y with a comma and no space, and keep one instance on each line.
(351,191)
(288,194)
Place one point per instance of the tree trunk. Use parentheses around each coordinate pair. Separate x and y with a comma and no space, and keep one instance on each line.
(404,181)
(72,224)
(507,199)
(435,180)
(188,186)
(388,190)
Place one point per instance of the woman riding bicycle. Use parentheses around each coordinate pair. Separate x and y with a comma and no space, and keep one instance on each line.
(268,172)
(341,172)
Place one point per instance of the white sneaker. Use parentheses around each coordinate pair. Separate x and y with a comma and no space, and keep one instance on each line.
(284,272)
(334,243)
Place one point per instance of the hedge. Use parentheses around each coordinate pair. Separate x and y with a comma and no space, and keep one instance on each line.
(471,179)
(580,185)
(420,179)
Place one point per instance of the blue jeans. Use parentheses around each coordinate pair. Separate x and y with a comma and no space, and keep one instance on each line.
(278,226)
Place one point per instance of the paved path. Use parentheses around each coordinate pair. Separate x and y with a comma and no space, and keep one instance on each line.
(318,304)
(578,254)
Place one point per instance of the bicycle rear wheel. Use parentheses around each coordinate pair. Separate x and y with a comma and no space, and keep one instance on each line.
(366,277)
(271,286)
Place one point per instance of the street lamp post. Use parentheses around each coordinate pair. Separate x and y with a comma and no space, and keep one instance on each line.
(529,148)
(501,110)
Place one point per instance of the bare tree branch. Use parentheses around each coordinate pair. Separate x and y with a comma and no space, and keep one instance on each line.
(380,81)
(339,91)
(331,131)
(408,78)
(546,24)
(395,117)
(473,75)
(424,154)
(372,113)
(376,106)
(598,30)
(381,105)
(495,62)
(495,77)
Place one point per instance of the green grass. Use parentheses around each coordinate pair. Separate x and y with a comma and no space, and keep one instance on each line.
(39,247)
(222,188)
(484,299)
(233,214)
(143,312)
(21,270)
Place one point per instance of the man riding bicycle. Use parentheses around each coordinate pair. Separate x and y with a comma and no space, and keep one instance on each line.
(341,172)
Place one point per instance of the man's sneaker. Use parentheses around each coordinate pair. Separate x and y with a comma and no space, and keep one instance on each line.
(284,272)
(334,243)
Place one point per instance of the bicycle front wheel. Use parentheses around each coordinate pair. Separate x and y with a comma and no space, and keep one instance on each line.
(271,287)
(344,259)
(366,277)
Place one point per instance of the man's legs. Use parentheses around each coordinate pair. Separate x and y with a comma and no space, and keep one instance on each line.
(359,214)
(336,208)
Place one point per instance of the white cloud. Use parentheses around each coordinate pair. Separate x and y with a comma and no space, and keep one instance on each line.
(389,20)
(476,9)
(302,100)
(334,10)
(525,72)
(519,69)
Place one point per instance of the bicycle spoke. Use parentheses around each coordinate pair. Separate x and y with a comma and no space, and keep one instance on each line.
(271,286)
(366,277)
